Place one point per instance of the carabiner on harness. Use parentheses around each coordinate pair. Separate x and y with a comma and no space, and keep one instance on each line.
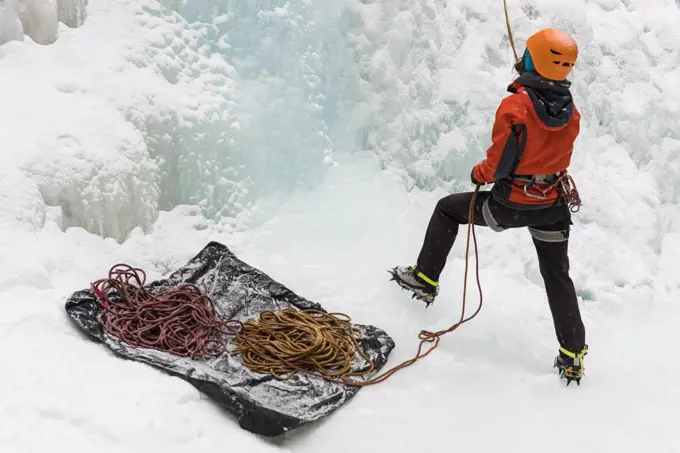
(541,196)
(569,192)
(532,183)
(562,181)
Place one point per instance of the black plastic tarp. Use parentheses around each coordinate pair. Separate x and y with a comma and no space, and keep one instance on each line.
(261,404)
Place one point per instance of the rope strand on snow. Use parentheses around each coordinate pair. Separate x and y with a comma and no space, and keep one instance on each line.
(434,338)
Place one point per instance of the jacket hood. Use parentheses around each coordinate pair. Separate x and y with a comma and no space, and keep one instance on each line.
(552,100)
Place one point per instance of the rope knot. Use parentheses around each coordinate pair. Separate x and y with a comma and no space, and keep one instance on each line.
(426,335)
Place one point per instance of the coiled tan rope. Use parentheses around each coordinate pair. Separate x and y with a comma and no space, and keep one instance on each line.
(291,341)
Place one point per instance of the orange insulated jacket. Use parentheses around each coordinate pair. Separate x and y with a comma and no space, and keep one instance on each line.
(532,140)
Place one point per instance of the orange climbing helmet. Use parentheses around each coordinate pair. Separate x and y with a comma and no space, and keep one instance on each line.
(553,53)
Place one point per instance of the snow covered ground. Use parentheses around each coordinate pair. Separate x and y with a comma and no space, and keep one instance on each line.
(314,141)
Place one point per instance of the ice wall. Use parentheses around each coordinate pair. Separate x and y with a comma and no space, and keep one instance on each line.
(178,104)
(271,77)
(418,82)
(309,79)
(236,101)
(433,73)
(39,19)
(285,84)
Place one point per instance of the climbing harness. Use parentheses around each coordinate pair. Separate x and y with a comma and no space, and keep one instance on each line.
(561,181)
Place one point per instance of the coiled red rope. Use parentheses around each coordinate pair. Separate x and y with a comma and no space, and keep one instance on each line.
(181,320)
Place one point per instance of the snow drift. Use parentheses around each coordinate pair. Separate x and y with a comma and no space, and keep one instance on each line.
(39,19)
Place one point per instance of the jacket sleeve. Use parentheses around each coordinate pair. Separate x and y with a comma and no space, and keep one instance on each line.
(505,145)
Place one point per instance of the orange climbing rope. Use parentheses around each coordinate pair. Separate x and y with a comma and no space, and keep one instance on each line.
(507,23)
(434,338)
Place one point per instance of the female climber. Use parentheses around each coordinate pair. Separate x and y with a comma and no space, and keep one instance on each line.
(532,142)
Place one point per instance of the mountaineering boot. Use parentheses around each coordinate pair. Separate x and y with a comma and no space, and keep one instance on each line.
(410,279)
(570,365)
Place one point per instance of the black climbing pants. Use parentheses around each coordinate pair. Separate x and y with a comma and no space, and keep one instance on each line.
(452,211)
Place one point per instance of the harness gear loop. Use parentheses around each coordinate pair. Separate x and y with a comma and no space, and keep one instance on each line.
(561,181)
(570,193)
